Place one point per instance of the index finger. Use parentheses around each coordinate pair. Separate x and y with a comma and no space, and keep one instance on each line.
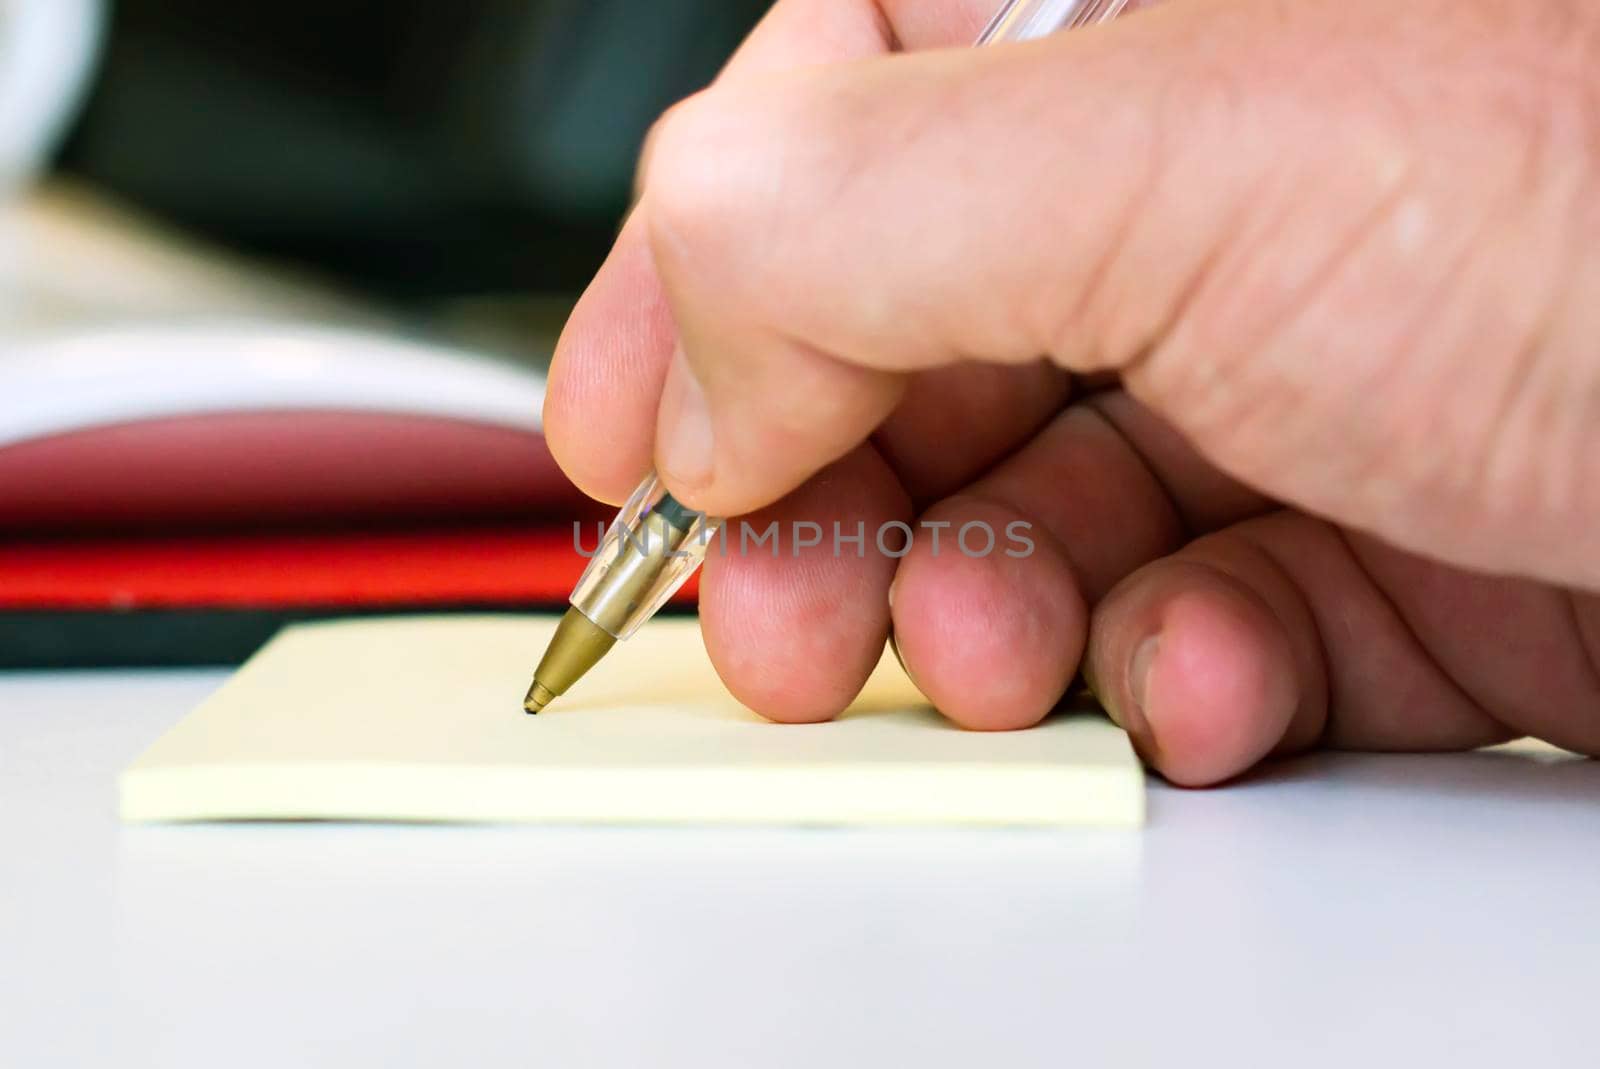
(606,379)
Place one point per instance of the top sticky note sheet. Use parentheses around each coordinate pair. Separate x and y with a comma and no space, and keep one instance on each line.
(419,719)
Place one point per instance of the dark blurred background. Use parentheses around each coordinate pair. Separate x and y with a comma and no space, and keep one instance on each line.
(409,148)
(279,281)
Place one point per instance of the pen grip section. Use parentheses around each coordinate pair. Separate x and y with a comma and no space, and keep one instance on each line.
(648,552)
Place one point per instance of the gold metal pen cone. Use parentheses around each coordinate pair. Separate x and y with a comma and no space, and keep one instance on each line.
(577,646)
(538,697)
(647,553)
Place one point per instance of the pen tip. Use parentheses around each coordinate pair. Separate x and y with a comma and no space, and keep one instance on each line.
(538,697)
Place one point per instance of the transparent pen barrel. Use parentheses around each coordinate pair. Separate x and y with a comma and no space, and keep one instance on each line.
(648,552)
(1023,20)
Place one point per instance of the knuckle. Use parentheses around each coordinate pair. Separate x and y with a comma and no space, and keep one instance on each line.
(691,184)
(720,199)
(676,179)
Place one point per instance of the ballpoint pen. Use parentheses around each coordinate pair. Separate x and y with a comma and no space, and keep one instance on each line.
(655,543)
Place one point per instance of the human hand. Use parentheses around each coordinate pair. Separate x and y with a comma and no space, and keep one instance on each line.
(1342,258)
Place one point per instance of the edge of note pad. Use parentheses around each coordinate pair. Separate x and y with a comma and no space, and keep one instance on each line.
(175,781)
(1042,796)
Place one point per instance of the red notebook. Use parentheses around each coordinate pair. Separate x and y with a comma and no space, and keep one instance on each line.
(174,495)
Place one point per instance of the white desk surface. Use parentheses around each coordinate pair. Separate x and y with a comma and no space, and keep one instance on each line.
(1335,911)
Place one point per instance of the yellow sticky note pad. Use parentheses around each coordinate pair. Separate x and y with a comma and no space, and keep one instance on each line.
(419,719)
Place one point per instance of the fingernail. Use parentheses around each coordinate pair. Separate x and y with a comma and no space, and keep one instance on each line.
(684,448)
(1140,666)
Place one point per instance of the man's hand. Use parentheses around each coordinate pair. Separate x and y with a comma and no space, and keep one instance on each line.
(1344,253)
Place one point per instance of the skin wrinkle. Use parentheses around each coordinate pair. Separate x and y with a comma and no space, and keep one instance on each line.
(1140,192)
(1394,181)
(1583,425)
(1495,475)
(1175,513)
(1540,174)
(1417,644)
(1408,619)
(1492,474)
(887,35)
(1588,93)
(1588,646)
(1535,123)
(1505,481)
(1562,49)
(1362,232)
(1143,369)
(1507,469)
(1175,113)
(1232,409)
(1165,354)
(1581,323)
(1587,626)
(1324,664)
(1376,497)
(1562,483)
